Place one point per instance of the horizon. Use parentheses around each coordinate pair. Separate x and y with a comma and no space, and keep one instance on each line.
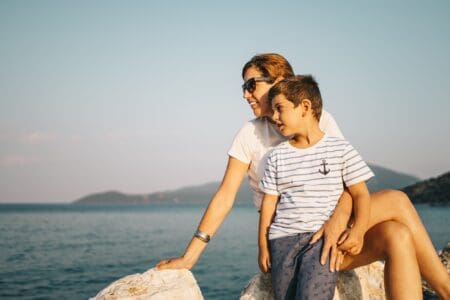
(73,201)
(107,95)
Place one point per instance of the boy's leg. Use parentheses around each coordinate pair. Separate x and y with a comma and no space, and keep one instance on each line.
(315,281)
(284,258)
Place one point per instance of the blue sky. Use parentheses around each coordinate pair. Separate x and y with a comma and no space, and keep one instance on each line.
(141,96)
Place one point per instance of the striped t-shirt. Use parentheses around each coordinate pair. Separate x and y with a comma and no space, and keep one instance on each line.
(309,182)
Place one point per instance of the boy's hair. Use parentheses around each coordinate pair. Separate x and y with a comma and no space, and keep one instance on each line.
(297,88)
(270,65)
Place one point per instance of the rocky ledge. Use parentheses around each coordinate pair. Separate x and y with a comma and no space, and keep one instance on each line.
(154,285)
(362,283)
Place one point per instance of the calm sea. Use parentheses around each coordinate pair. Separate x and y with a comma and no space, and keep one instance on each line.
(73,251)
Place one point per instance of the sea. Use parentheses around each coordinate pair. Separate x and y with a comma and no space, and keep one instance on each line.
(67,251)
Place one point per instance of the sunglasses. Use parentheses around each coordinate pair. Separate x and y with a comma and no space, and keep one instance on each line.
(250,85)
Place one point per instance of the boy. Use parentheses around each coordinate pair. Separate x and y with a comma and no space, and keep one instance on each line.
(303,180)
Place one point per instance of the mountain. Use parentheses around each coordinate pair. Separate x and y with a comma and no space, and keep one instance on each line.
(384,179)
(435,191)
(389,179)
(191,195)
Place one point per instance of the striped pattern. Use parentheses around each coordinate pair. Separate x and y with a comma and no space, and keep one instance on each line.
(310,182)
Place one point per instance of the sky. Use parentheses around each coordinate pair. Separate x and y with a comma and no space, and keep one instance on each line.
(145,96)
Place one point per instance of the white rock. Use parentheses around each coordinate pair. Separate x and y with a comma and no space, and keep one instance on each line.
(153,285)
(361,283)
(364,283)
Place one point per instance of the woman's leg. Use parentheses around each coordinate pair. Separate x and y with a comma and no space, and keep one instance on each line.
(396,206)
(391,241)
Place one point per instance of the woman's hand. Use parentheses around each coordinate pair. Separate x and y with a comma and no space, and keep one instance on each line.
(264,259)
(332,232)
(352,241)
(175,263)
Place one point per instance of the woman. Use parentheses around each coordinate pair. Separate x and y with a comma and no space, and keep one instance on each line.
(396,233)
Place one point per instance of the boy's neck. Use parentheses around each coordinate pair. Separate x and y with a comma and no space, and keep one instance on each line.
(307,137)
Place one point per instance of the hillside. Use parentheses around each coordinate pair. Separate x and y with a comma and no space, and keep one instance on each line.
(384,179)
(435,191)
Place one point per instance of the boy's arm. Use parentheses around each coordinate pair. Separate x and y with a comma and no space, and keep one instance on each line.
(333,229)
(361,198)
(361,203)
(268,206)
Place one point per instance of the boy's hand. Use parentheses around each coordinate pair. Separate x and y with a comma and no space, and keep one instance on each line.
(264,259)
(352,241)
(331,231)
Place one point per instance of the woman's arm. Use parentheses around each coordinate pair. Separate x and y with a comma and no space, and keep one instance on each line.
(218,208)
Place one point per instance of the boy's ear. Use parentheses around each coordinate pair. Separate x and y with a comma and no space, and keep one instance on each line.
(306,106)
(278,79)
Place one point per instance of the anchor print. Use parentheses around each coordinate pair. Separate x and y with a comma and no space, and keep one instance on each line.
(324,171)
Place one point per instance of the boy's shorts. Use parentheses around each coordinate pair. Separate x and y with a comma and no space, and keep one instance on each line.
(296,269)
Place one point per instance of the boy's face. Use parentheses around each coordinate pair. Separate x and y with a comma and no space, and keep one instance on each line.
(287,117)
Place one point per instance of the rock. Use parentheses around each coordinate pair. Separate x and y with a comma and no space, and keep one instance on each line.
(259,287)
(153,285)
(362,283)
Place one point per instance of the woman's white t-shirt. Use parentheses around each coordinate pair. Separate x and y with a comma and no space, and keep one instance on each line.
(257,137)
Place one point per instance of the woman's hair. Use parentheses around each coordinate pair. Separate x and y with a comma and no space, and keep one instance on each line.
(270,65)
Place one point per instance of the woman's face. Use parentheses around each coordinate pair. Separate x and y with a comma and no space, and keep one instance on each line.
(258,99)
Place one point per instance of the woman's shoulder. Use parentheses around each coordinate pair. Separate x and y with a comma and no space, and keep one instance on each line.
(251,123)
(328,124)
(260,121)
(255,125)
(325,116)
(325,119)
(247,128)
(247,132)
